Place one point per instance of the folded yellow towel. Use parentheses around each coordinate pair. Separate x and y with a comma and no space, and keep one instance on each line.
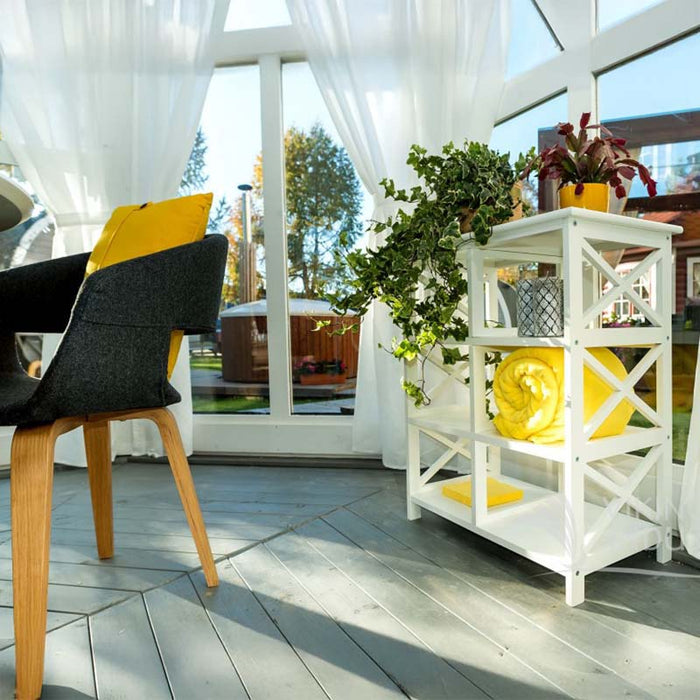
(497,493)
(528,389)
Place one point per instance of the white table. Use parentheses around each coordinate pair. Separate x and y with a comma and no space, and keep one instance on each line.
(15,203)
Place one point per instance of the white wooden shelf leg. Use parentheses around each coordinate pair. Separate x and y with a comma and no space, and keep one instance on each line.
(575,588)
(664,389)
(413,511)
(573,480)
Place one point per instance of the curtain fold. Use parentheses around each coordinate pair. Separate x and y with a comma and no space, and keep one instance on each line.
(394,73)
(688,511)
(100,104)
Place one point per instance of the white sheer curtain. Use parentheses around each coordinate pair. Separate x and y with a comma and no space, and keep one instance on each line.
(100,103)
(688,510)
(394,73)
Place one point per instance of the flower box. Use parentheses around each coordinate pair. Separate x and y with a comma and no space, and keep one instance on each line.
(322,378)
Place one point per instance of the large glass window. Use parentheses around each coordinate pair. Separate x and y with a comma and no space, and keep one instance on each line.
(325,202)
(531,40)
(661,82)
(531,128)
(655,105)
(230,368)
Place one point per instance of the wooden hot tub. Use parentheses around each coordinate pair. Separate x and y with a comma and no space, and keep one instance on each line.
(244,336)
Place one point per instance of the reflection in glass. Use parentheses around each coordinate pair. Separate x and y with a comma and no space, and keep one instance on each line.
(655,106)
(24,244)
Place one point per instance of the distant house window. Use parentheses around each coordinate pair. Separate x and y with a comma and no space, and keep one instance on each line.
(693,279)
(623,309)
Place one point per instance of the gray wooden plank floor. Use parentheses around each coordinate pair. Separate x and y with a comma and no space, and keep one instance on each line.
(327,591)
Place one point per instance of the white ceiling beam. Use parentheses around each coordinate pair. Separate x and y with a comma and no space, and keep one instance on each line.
(245,46)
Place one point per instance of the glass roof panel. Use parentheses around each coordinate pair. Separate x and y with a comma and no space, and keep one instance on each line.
(611,12)
(249,14)
(518,134)
(531,41)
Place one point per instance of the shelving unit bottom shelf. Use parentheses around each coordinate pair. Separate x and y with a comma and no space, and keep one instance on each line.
(534,526)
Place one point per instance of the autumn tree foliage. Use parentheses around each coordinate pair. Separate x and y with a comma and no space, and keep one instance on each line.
(323,205)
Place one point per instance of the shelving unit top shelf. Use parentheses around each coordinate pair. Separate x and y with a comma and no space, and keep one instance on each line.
(543,233)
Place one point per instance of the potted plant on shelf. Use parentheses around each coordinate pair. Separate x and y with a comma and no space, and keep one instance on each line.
(587,166)
(463,193)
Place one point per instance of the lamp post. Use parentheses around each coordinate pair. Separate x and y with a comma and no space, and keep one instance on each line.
(247,281)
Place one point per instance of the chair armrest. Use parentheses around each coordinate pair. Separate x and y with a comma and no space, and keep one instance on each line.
(38,298)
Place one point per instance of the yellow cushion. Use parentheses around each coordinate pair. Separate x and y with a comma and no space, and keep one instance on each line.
(497,493)
(136,230)
(529,393)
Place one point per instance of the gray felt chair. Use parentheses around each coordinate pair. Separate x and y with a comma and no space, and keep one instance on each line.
(110,365)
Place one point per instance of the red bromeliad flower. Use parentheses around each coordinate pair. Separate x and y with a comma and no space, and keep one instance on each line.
(584,159)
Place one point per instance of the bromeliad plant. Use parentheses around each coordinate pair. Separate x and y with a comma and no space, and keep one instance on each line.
(589,159)
(416,272)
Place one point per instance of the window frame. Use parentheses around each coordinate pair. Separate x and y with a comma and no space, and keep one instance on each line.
(280,431)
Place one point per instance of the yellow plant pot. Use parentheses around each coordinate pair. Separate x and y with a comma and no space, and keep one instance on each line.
(594,196)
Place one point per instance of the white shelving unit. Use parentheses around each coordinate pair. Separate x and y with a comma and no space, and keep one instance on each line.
(563,528)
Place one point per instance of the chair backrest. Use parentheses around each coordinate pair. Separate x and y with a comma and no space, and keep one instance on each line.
(114,352)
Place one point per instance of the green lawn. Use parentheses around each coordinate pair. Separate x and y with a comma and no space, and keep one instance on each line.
(205,362)
(681,426)
(228,404)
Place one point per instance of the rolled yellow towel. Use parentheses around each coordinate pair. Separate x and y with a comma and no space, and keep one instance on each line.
(528,389)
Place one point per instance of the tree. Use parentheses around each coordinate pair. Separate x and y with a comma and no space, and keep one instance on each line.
(194,179)
(220,216)
(323,209)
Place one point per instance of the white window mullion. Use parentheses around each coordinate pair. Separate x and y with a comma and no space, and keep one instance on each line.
(278,343)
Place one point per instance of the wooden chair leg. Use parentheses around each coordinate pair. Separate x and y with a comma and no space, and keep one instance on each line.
(31,482)
(98,449)
(172,443)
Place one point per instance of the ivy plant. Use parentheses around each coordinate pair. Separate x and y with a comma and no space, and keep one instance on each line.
(415,272)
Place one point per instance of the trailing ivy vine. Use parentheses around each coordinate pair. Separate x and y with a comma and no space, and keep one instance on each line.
(416,272)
